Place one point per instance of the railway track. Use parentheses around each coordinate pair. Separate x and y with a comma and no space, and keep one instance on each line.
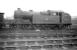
(11,39)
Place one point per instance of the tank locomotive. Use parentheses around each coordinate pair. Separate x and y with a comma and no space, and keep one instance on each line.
(42,20)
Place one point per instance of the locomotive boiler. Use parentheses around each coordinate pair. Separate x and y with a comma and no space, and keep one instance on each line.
(42,20)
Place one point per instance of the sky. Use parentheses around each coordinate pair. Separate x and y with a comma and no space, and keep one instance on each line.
(8,6)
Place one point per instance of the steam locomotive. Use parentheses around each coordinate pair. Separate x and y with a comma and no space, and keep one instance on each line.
(42,20)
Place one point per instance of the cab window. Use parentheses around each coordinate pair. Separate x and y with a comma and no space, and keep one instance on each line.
(55,14)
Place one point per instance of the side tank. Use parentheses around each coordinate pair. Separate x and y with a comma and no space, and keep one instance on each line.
(44,18)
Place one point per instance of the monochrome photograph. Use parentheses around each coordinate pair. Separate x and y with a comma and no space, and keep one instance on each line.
(38,25)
